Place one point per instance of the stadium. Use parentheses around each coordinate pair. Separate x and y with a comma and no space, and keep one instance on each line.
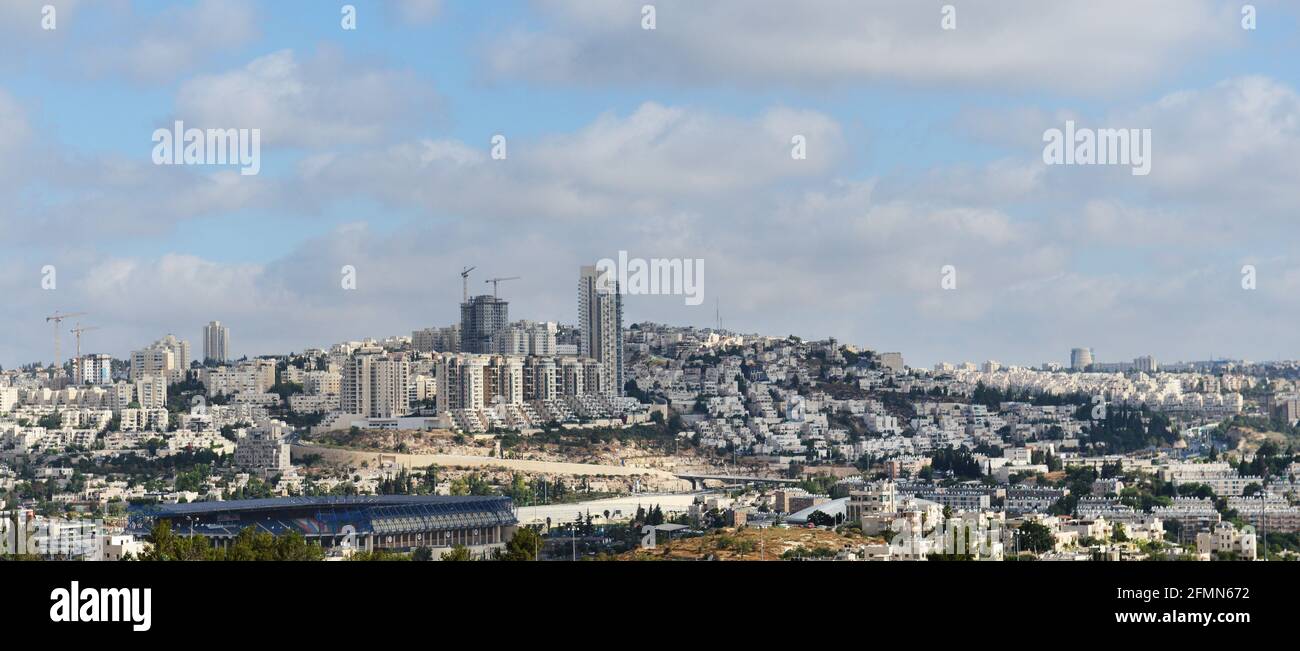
(362,523)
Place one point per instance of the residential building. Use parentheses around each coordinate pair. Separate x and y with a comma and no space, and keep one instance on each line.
(216,342)
(264,449)
(600,321)
(375,386)
(168,356)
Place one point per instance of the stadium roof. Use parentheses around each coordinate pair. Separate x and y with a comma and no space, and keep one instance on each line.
(274,503)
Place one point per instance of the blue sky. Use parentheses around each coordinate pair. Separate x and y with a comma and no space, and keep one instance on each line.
(924,151)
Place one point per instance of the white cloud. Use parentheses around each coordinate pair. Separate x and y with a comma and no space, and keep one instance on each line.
(175,41)
(325,101)
(1044,255)
(1076,47)
(1235,142)
(23,38)
(416,12)
(15,136)
(646,164)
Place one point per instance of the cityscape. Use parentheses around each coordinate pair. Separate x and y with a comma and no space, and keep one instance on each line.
(495,438)
(539,317)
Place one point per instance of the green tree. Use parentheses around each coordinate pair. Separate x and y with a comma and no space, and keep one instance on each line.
(166,545)
(1117,533)
(821,519)
(525,545)
(458,553)
(1036,537)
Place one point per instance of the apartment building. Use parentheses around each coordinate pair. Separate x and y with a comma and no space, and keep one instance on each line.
(216,342)
(526,338)
(437,340)
(600,322)
(1032,500)
(375,386)
(168,356)
(1192,515)
(256,376)
(264,449)
(1225,538)
(957,499)
(875,499)
(150,392)
(96,370)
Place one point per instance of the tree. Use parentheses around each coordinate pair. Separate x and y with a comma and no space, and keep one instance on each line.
(1117,533)
(165,545)
(525,545)
(458,553)
(52,420)
(380,555)
(958,461)
(1037,537)
(821,519)
(422,554)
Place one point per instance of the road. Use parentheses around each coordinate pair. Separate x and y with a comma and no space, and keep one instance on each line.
(620,508)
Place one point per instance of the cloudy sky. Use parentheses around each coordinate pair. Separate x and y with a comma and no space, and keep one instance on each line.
(924,149)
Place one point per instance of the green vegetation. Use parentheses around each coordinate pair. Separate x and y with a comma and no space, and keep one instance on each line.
(1036,537)
(801,552)
(248,545)
(960,462)
(380,555)
(1125,430)
(525,545)
(992,397)
(819,484)
(656,434)
(458,553)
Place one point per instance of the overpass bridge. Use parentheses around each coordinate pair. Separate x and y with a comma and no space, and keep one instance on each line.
(697,479)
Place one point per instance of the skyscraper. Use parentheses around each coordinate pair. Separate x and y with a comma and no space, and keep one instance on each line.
(216,342)
(480,319)
(600,318)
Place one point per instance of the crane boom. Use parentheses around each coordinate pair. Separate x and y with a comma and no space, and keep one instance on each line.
(464,277)
(57,318)
(496,281)
(76,361)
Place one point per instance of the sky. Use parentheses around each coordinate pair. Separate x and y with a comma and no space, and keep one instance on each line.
(922,219)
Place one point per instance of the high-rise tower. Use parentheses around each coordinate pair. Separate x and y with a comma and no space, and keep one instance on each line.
(600,318)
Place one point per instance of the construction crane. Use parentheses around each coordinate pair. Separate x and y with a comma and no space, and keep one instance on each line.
(77,360)
(58,318)
(464,277)
(496,281)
